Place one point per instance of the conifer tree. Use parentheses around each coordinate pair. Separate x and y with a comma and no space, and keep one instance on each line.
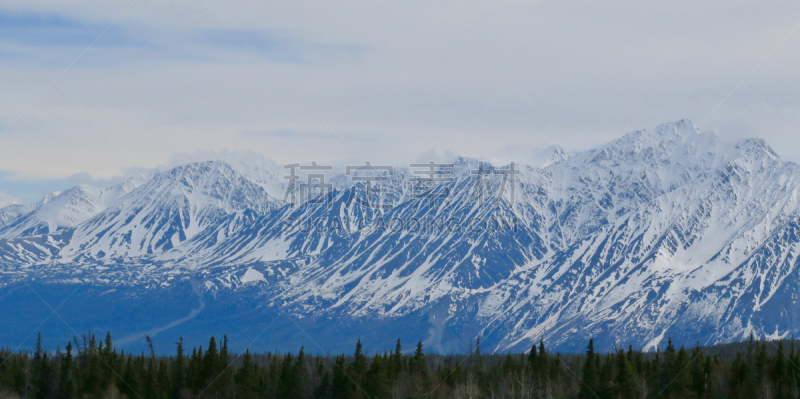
(626,377)
(67,387)
(324,389)
(543,358)
(107,362)
(606,377)
(92,382)
(358,369)
(223,374)
(131,376)
(194,376)
(653,379)
(478,365)
(178,371)
(397,360)
(778,373)
(43,371)
(376,381)
(793,371)
(162,378)
(341,383)
(300,373)
(698,372)
(210,361)
(761,367)
(212,381)
(420,365)
(589,375)
(286,381)
(246,377)
(670,368)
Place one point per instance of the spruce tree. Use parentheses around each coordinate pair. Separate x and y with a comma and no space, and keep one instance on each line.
(324,389)
(653,380)
(358,369)
(300,374)
(194,371)
(341,383)
(246,378)
(210,363)
(420,365)
(108,362)
(222,373)
(670,369)
(132,379)
(761,366)
(698,372)
(626,377)
(478,365)
(376,382)
(163,380)
(544,360)
(606,378)
(779,372)
(397,360)
(590,374)
(178,371)
(67,387)
(44,375)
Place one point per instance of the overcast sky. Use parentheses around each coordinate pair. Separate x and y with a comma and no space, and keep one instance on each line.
(142,84)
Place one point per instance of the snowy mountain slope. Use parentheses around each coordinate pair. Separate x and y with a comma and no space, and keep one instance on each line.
(666,232)
(170,208)
(441,250)
(645,268)
(65,210)
(20,253)
(9,214)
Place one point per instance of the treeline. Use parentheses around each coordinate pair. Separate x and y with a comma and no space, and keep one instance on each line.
(93,368)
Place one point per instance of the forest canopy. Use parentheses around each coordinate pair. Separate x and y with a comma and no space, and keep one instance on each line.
(92,368)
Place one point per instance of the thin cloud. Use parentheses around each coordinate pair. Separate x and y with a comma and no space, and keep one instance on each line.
(6,199)
(390,82)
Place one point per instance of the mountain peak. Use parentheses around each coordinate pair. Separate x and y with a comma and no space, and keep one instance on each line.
(754,147)
(682,132)
(47,198)
(554,155)
(681,128)
(203,167)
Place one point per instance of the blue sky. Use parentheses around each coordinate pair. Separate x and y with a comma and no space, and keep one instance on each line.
(145,83)
(54,41)
(32,190)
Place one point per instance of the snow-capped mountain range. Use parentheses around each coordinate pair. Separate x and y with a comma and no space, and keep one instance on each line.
(665,232)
